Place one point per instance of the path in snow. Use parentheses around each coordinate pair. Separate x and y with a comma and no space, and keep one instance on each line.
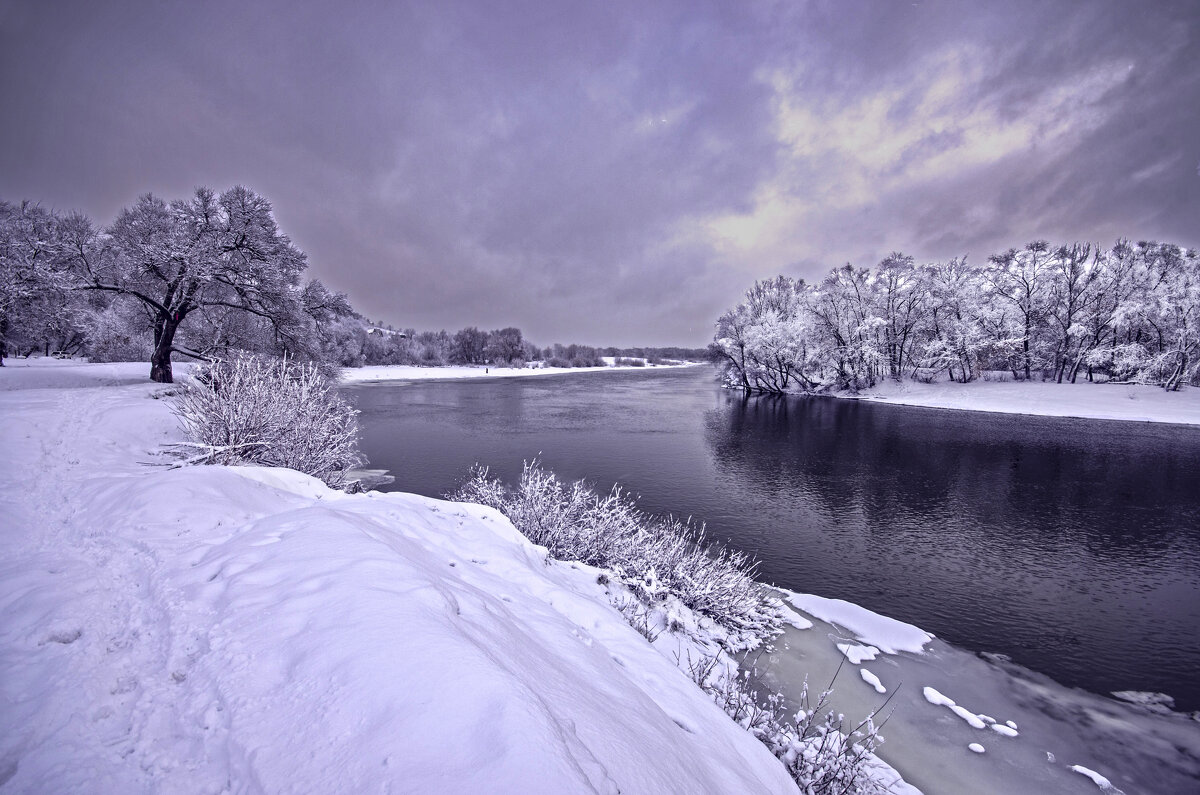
(217,629)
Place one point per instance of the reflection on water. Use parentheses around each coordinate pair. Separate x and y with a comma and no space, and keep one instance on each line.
(1071,546)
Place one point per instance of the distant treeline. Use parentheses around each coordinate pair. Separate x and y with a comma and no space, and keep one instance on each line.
(1127,313)
(205,277)
(358,344)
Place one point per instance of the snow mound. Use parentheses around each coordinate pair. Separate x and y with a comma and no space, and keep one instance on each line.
(856,653)
(886,634)
(1097,779)
(250,630)
(872,680)
(975,721)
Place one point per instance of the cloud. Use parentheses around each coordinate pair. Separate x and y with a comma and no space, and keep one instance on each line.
(613,172)
(847,156)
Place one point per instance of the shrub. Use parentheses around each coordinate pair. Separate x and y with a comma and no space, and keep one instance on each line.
(654,557)
(272,412)
(819,751)
(625,361)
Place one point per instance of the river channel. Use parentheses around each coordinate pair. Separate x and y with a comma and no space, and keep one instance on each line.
(1071,547)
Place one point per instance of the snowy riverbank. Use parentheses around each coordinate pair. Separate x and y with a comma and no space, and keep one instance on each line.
(1132,402)
(209,628)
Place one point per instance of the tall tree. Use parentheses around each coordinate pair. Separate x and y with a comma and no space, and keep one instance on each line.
(212,251)
(1019,277)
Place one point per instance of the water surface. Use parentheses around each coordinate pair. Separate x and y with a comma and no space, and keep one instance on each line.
(1071,546)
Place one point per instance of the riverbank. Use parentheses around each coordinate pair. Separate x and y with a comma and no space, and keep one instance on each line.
(208,628)
(403,372)
(1129,402)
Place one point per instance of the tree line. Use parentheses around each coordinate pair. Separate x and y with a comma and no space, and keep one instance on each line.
(359,344)
(1126,313)
(204,277)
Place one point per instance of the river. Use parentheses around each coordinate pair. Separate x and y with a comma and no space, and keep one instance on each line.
(1070,546)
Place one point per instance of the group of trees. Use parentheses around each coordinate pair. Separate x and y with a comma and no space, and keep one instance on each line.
(217,261)
(206,277)
(1127,313)
(354,343)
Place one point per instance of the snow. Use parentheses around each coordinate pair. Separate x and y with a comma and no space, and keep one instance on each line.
(872,629)
(251,630)
(872,680)
(975,721)
(936,698)
(795,619)
(42,372)
(404,372)
(856,653)
(1099,780)
(1095,401)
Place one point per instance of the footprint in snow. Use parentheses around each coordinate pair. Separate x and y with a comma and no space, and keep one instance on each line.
(63,635)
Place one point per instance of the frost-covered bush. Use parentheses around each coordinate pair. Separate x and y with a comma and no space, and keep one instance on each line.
(814,744)
(272,412)
(655,558)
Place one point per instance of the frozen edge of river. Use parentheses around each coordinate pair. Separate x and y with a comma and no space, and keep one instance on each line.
(944,704)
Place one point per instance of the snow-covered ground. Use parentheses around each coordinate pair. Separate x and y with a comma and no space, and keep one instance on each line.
(1095,401)
(213,629)
(242,629)
(404,372)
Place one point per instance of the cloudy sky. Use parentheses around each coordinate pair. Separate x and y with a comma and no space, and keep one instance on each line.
(614,173)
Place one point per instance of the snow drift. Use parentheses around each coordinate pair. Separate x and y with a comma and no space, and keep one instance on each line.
(209,629)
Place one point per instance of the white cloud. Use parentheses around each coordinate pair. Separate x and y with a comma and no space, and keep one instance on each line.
(842,158)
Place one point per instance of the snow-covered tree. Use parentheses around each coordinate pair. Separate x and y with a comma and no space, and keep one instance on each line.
(847,327)
(469,346)
(505,346)
(36,307)
(903,304)
(957,334)
(210,253)
(1020,278)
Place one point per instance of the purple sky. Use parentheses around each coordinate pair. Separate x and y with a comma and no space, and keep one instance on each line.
(614,173)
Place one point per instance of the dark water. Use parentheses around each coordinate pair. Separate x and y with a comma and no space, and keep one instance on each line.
(1072,546)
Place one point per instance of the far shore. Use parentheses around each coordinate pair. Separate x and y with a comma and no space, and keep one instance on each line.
(405,372)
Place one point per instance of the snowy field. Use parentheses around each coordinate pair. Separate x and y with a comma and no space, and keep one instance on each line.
(1095,401)
(403,372)
(215,629)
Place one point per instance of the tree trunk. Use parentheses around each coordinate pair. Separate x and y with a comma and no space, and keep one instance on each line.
(160,360)
(1025,345)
